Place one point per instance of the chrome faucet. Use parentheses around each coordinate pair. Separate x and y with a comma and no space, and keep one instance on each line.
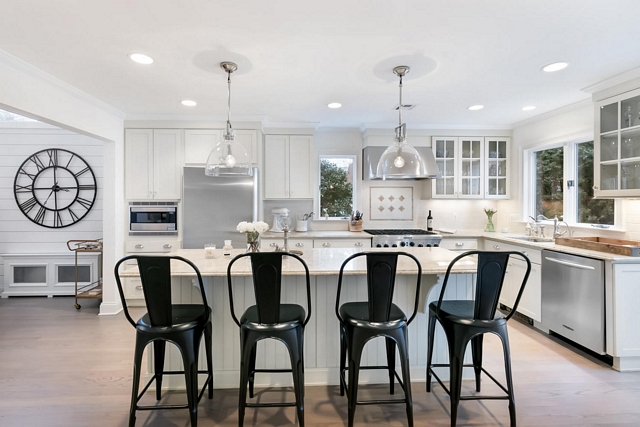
(538,227)
(556,227)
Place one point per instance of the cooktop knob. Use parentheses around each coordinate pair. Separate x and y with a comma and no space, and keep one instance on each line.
(428,245)
(402,244)
(420,245)
(394,246)
(435,245)
(412,244)
(378,245)
(386,246)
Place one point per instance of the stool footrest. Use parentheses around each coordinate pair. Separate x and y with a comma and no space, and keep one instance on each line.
(270,405)
(440,365)
(373,402)
(153,378)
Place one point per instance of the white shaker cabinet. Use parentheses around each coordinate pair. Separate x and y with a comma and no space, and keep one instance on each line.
(198,143)
(497,168)
(153,160)
(288,167)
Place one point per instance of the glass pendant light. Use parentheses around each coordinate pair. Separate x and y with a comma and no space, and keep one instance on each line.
(401,160)
(228,158)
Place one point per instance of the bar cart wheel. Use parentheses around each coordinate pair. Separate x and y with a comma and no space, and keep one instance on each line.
(77,306)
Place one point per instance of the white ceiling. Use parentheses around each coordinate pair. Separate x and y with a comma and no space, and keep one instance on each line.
(296,56)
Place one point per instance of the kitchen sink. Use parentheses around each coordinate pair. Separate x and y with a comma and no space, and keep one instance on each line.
(534,239)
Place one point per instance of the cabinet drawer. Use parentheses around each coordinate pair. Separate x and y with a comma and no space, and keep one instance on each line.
(143,246)
(459,244)
(534,254)
(268,245)
(133,288)
(342,243)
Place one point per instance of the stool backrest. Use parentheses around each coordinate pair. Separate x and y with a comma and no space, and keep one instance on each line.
(155,276)
(266,270)
(490,273)
(381,280)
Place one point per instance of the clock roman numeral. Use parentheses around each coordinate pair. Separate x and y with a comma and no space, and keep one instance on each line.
(84,202)
(82,171)
(39,218)
(28,205)
(24,172)
(69,162)
(24,188)
(57,219)
(74,217)
(36,160)
(53,157)
(87,187)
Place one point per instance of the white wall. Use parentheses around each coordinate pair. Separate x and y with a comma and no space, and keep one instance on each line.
(560,125)
(18,235)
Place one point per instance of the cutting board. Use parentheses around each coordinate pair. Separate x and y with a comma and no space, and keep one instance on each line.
(602,244)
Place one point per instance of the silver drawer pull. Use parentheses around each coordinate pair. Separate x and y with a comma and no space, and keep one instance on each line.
(273,245)
(496,247)
(358,243)
(326,245)
(299,245)
(570,264)
(139,246)
(525,253)
(167,246)
(139,288)
(459,243)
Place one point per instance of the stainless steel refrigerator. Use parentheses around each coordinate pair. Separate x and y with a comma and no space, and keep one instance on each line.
(212,207)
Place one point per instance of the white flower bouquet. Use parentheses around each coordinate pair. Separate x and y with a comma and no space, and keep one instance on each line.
(252,230)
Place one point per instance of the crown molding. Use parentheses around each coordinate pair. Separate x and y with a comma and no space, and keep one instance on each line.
(391,126)
(612,81)
(193,118)
(24,67)
(565,109)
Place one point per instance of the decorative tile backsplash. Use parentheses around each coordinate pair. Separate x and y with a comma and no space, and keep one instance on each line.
(391,203)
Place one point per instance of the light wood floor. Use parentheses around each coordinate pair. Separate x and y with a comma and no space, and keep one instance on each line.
(62,367)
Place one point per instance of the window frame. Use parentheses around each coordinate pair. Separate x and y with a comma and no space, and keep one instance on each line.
(570,195)
(354,183)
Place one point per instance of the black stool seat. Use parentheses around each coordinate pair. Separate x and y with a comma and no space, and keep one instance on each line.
(270,319)
(183,325)
(291,316)
(466,321)
(358,312)
(183,317)
(361,322)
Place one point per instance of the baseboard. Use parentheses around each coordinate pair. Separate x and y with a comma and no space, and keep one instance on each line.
(110,308)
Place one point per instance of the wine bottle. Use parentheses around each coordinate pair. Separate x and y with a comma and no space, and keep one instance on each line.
(429,222)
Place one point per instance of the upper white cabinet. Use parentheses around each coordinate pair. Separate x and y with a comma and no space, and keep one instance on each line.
(617,146)
(288,167)
(471,167)
(153,160)
(198,143)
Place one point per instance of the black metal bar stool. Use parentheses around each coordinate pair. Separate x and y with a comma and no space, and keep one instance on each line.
(468,320)
(269,318)
(376,317)
(182,324)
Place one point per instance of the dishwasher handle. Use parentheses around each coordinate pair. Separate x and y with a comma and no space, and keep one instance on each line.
(570,264)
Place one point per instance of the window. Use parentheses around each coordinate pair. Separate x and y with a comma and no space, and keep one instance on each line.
(562,178)
(337,186)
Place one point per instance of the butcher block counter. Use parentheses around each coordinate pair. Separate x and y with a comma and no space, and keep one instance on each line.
(321,344)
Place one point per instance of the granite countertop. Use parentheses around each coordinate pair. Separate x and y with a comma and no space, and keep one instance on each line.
(321,262)
(318,235)
(512,239)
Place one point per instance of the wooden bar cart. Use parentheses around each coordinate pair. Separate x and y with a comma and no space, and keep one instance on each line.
(93,289)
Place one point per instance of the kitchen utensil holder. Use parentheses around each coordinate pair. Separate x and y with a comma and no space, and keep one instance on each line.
(302,225)
(355,225)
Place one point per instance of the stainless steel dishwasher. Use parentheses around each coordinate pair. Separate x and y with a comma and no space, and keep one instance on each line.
(573,298)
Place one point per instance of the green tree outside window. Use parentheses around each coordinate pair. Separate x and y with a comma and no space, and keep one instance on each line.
(336,187)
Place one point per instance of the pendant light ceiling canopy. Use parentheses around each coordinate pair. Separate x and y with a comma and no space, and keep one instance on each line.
(228,158)
(401,160)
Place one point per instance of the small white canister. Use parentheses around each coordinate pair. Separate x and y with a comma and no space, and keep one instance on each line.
(302,225)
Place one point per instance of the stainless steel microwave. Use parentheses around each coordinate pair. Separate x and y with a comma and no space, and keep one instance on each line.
(159,220)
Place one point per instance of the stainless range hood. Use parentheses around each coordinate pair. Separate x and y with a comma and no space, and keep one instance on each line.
(371,155)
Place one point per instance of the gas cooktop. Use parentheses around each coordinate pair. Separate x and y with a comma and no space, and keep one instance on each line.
(398,232)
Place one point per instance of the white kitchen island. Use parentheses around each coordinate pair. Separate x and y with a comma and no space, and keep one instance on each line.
(322,333)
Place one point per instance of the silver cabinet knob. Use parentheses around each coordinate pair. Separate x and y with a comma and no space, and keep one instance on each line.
(150,193)
(496,247)
(459,243)
(139,246)
(139,288)
(273,245)
(167,246)
(326,245)
(299,245)
(525,253)
(358,244)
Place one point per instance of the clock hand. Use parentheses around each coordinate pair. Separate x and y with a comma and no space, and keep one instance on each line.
(45,202)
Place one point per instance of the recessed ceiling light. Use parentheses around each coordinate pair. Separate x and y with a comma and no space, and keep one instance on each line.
(189,103)
(556,66)
(334,105)
(141,59)
(476,107)
(529,108)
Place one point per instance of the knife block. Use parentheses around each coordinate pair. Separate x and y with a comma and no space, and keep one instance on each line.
(355,227)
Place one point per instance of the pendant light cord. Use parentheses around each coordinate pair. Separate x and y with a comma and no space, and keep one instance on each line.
(400,106)
(229,97)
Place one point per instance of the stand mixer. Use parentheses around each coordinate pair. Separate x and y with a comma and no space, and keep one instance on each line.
(279,215)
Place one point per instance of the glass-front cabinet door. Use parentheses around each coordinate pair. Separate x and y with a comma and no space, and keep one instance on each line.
(445,152)
(471,167)
(617,150)
(497,168)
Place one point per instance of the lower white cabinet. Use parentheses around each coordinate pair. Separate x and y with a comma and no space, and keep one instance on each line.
(132,286)
(301,244)
(531,301)
(454,244)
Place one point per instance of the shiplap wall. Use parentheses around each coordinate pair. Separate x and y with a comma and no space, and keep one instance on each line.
(18,235)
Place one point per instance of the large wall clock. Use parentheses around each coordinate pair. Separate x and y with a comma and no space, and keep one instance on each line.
(55,188)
